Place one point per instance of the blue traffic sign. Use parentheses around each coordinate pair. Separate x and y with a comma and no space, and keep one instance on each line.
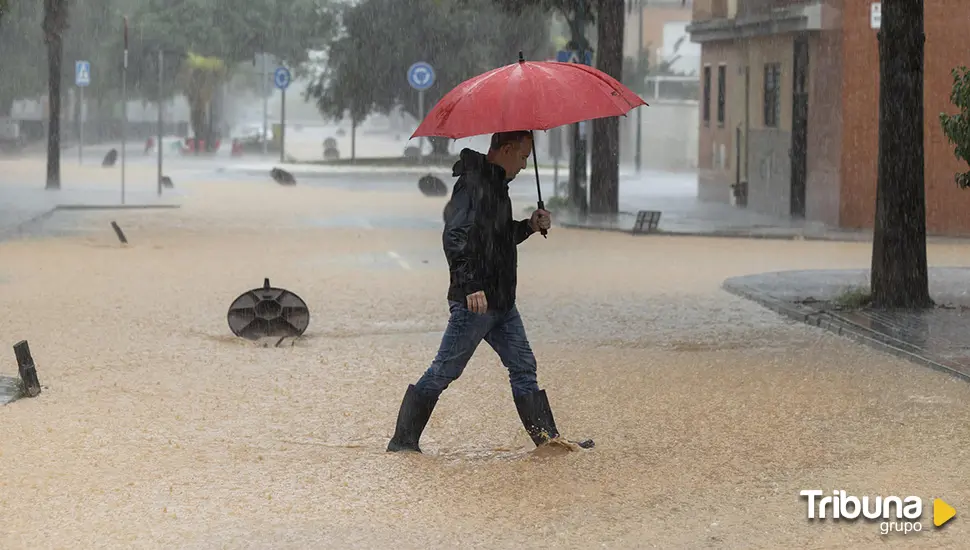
(572,56)
(82,73)
(421,76)
(282,78)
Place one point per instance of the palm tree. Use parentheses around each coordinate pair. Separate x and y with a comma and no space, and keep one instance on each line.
(199,79)
(54,25)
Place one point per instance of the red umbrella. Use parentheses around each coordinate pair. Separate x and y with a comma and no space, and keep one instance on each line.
(528,95)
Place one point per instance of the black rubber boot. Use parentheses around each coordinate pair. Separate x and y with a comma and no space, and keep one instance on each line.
(411,420)
(536,416)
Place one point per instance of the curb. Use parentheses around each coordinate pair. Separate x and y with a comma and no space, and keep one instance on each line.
(842,327)
(43,216)
(114,207)
(336,171)
(721,234)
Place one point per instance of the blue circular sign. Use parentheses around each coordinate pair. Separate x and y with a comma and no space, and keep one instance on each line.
(282,78)
(421,76)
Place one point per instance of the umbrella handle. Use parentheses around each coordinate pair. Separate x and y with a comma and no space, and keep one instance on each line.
(543,231)
(535,163)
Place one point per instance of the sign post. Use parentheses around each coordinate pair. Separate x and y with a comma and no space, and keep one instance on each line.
(82,79)
(282,80)
(124,111)
(264,78)
(161,120)
(421,77)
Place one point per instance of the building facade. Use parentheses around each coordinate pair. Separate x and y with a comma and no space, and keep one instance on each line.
(789,108)
(657,18)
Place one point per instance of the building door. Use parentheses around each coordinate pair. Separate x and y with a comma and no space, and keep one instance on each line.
(799,127)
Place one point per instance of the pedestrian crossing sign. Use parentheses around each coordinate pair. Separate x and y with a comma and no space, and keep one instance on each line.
(572,56)
(82,73)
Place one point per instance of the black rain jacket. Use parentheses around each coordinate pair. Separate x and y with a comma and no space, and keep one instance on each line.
(480,235)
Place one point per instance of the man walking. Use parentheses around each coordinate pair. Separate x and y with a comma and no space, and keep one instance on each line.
(480,239)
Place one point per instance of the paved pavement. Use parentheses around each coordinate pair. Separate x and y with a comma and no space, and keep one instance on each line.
(935,337)
(9,389)
(27,208)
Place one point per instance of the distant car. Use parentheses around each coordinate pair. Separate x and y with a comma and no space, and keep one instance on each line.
(252,132)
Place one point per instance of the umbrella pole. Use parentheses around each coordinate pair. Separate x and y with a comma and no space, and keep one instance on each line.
(535,163)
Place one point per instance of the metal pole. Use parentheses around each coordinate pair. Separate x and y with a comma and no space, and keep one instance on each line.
(265,106)
(638,157)
(124,112)
(283,125)
(555,177)
(161,120)
(80,125)
(420,118)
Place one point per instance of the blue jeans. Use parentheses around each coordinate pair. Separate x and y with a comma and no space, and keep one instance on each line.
(503,331)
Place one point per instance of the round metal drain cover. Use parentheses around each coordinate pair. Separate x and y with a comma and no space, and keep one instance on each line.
(267,312)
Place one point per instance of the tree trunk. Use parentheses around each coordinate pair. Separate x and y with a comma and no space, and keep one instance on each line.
(579,153)
(605,176)
(197,120)
(55,19)
(353,139)
(899,268)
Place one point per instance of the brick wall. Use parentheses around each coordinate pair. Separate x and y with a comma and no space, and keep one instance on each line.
(947,46)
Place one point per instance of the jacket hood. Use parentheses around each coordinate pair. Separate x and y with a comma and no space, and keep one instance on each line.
(470,161)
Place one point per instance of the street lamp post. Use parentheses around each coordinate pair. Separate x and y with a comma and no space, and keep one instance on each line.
(638,159)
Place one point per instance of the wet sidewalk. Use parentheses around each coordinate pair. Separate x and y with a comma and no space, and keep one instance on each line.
(674,195)
(28,210)
(936,337)
(690,217)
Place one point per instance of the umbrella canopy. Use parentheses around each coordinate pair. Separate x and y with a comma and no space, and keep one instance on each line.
(528,95)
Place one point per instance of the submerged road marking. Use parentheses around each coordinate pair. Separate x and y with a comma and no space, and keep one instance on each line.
(400,261)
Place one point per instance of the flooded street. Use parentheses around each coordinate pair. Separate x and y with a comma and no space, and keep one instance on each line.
(159,429)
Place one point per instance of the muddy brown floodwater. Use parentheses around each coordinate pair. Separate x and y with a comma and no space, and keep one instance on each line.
(158,429)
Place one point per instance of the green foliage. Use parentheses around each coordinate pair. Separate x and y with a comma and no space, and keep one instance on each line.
(221,29)
(368,63)
(227,30)
(199,78)
(569,9)
(853,298)
(23,62)
(87,20)
(92,31)
(957,127)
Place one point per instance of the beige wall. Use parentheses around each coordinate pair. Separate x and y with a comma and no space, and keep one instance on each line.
(716,144)
(768,161)
(713,9)
(715,155)
(654,19)
(760,51)
(668,134)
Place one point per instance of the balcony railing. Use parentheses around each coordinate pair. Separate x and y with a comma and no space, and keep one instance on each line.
(760,7)
(729,9)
